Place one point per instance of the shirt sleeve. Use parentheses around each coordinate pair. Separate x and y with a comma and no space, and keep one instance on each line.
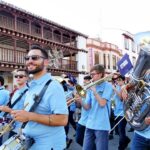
(108,91)
(57,100)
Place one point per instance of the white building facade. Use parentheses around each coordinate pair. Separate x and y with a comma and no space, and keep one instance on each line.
(103,53)
(124,40)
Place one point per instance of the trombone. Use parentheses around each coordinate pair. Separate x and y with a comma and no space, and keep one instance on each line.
(81,91)
(107,78)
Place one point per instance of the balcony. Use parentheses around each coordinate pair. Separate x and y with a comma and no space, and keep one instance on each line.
(23,27)
(7,22)
(11,56)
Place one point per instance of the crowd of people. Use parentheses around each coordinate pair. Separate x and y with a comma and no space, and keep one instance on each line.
(43,109)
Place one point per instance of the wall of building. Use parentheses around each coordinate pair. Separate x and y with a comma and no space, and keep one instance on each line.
(81,57)
(119,37)
(103,53)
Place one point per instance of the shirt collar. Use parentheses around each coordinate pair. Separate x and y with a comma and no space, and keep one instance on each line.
(42,79)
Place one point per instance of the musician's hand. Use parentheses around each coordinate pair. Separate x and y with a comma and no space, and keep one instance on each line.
(5,109)
(78,99)
(124,93)
(21,115)
(93,88)
(147,120)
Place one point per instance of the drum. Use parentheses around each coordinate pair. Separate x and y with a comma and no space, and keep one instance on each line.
(14,143)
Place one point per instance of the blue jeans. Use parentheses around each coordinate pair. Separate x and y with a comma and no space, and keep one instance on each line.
(140,143)
(80,134)
(95,140)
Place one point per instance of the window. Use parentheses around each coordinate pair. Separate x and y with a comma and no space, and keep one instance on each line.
(114,62)
(96,58)
(105,61)
(126,43)
(108,61)
(133,47)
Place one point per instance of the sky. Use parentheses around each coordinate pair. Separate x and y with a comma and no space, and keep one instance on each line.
(91,17)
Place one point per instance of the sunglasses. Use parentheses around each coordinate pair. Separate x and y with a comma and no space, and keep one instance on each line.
(33,57)
(19,76)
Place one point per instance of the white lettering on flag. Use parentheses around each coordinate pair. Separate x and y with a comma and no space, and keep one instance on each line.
(124,63)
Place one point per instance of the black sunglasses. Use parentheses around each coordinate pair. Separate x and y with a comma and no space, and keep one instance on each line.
(19,76)
(33,57)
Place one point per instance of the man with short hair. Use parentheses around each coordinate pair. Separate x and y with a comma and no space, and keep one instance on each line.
(17,101)
(45,125)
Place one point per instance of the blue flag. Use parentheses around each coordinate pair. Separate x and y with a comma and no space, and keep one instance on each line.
(124,65)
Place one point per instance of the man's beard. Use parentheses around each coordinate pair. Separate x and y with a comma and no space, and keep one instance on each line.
(36,70)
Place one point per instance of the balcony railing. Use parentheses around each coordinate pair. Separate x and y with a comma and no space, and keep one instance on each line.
(7,22)
(11,56)
(68,65)
(22,27)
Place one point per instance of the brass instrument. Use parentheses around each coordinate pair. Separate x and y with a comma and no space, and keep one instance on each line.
(107,78)
(137,106)
(81,91)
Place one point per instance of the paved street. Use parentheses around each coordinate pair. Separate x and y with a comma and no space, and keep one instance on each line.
(113,144)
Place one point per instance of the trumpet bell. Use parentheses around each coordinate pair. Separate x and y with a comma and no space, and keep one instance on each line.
(80,91)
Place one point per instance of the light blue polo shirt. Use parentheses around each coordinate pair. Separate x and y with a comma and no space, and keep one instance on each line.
(19,105)
(53,102)
(84,115)
(98,118)
(4,97)
(145,133)
(118,111)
